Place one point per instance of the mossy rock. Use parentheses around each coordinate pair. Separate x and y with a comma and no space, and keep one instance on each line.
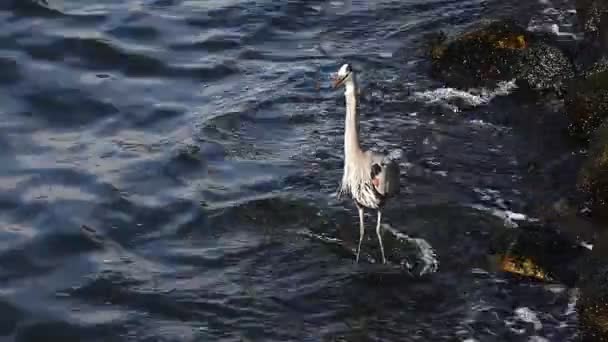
(499,51)
(480,57)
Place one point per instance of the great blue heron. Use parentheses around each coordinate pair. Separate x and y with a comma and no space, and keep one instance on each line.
(370,178)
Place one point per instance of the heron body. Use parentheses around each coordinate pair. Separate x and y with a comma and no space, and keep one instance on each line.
(370,178)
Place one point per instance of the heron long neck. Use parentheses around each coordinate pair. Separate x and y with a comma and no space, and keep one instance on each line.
(352,145)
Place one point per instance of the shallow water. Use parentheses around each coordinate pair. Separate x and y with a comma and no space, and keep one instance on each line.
(169,168)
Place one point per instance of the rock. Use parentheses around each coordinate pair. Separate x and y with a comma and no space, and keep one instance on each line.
(499,51)
(544,253)
(588,16)
(544,67)
(593,176)
(592,305)
(586,101)
(595,68)
(481,57)
(592,20)
(538,251)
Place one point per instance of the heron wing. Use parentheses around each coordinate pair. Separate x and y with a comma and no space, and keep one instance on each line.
(385,175)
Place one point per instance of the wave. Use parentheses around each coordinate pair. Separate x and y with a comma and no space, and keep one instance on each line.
(456,100)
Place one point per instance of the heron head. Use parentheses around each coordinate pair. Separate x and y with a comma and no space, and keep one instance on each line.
(342,75)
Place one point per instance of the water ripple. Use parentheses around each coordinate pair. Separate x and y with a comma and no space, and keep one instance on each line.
(161,159)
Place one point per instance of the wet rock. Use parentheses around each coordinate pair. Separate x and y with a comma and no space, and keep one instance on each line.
(499,51)
(187,152)
(595,68)
(586,100)
(588,15)
(479,57)
(592,306)
(538,251)
(593,176)
(546,254)
(592,21)
(544,67)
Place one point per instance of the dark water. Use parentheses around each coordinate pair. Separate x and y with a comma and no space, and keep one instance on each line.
(167,169)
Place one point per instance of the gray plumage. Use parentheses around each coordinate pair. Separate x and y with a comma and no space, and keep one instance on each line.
(369,178)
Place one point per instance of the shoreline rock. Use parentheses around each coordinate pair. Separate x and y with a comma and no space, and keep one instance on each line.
(592,305)
(593,175)
(499,51)
(538,251)
(586,101)
(502,51)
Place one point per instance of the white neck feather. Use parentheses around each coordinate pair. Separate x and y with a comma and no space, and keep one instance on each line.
(352,145)
(354,166)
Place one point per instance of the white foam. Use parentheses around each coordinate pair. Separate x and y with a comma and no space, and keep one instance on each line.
(527,315)
(441,173)
(479,271)
(473,97)
(426,254)
(321,237)
(396,154)
(587,245)
(498,207)
(571,309)
(557,21)
(482,123)
(425,251)
(508,216)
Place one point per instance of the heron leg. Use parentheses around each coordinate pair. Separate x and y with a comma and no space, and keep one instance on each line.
(380,236)
(361,231)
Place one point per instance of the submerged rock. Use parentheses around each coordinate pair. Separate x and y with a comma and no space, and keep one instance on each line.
(499,51)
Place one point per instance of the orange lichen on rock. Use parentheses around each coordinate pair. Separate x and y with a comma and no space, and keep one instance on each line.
(512,42)
(481,56)
(524,267)
(498,37)
(437,51)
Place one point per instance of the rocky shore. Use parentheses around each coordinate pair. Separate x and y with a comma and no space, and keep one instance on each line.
(503,50)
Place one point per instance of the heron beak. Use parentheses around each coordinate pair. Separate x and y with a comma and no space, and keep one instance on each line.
(338,81)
